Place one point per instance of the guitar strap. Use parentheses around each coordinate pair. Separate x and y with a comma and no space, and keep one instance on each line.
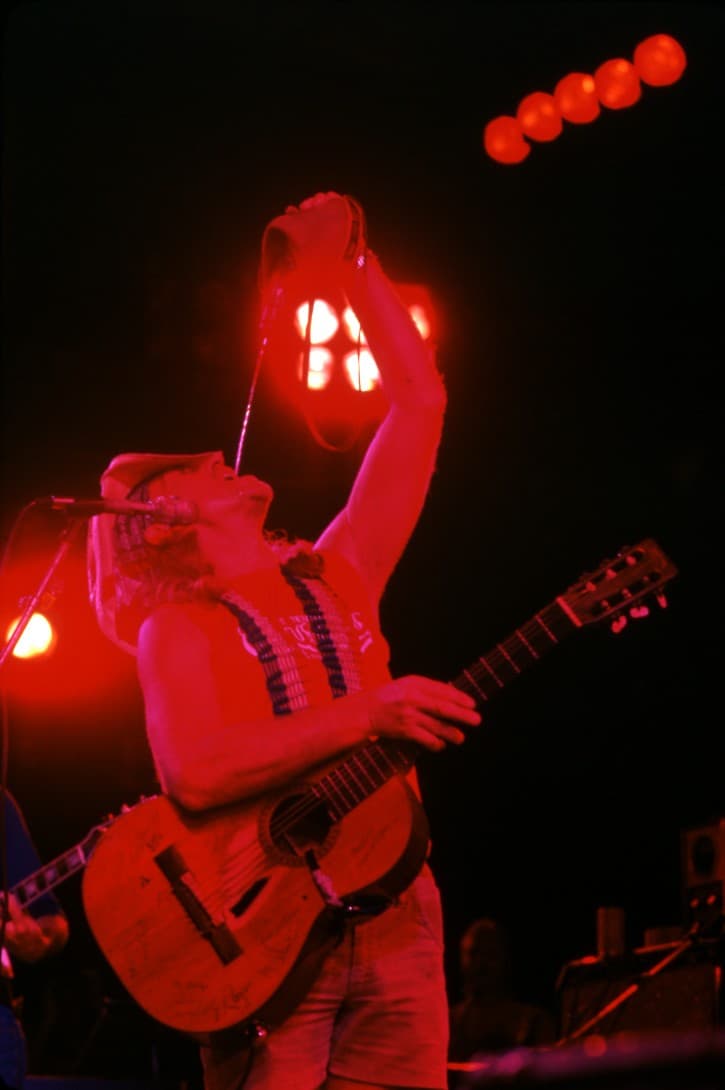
(284,684)
(330,632)
(333,638)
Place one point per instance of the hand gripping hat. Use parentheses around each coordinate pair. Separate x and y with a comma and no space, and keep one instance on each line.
(123,550)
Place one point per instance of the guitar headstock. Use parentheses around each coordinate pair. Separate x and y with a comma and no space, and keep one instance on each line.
(619,587)
(92,837)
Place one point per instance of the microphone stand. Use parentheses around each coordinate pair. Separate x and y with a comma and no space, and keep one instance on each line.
(67,540)
(685,944)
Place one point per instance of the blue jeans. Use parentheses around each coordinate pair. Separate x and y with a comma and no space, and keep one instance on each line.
(13,1057)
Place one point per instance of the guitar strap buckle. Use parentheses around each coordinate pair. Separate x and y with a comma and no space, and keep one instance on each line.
(365,906)
(356,906)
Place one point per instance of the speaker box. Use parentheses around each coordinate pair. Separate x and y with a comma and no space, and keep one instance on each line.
(703,872)
(684,996)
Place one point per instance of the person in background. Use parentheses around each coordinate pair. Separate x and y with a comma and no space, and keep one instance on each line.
(27,935)
(489,1018)
(261,659)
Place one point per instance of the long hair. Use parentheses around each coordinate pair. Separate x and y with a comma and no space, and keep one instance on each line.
(166,564)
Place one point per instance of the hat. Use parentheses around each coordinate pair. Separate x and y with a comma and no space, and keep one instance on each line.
(118,597)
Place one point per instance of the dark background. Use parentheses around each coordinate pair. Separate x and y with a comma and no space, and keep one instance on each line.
(145,146)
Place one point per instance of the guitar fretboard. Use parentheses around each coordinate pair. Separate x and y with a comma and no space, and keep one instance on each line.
(369,768)
(493,671)
(362,773)
(56,871)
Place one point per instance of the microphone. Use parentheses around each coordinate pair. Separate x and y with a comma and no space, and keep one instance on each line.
(169,509)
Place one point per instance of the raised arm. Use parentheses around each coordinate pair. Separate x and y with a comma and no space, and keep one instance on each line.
(391,485)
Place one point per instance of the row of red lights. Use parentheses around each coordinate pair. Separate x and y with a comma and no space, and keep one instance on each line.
(657,61)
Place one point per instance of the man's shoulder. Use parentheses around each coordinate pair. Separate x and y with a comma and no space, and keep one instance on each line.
(172,622)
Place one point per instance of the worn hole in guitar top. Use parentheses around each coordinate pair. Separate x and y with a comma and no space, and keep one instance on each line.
(241,906)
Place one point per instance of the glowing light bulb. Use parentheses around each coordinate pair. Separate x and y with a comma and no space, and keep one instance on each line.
(325,321)
(660,60)
(352,326)
(420,316)
(319,371)
(38,637)
(503,140)
(362,373)
(576,98)
(617,84)
(539,116)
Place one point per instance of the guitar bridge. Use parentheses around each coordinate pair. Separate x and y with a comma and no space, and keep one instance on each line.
(172,865)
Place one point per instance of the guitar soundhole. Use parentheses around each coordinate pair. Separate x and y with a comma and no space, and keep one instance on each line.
(300,822)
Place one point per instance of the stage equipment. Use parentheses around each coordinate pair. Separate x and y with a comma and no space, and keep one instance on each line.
(703,873)
(675,986)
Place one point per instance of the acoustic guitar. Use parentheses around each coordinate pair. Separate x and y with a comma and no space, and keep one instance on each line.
(220,920)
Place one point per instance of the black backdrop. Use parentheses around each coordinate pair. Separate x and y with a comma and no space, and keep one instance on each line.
(145,147)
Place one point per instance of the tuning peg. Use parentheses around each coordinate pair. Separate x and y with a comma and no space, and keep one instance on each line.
(637,612)
(662,601)
(618,624)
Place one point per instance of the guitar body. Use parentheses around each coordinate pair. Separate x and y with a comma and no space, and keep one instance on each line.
(205,917)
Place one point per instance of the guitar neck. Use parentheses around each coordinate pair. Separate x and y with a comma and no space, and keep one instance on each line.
(492,672)
(55,872)
(615,589)
(363,772)
(368,768)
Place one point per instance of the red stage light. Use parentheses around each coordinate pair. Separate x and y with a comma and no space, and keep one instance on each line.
(328,370)
(325,321)
(84,668)
(539,117)
(660,60)
(617,84)
(37,638)
(504,141)
(576,98)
